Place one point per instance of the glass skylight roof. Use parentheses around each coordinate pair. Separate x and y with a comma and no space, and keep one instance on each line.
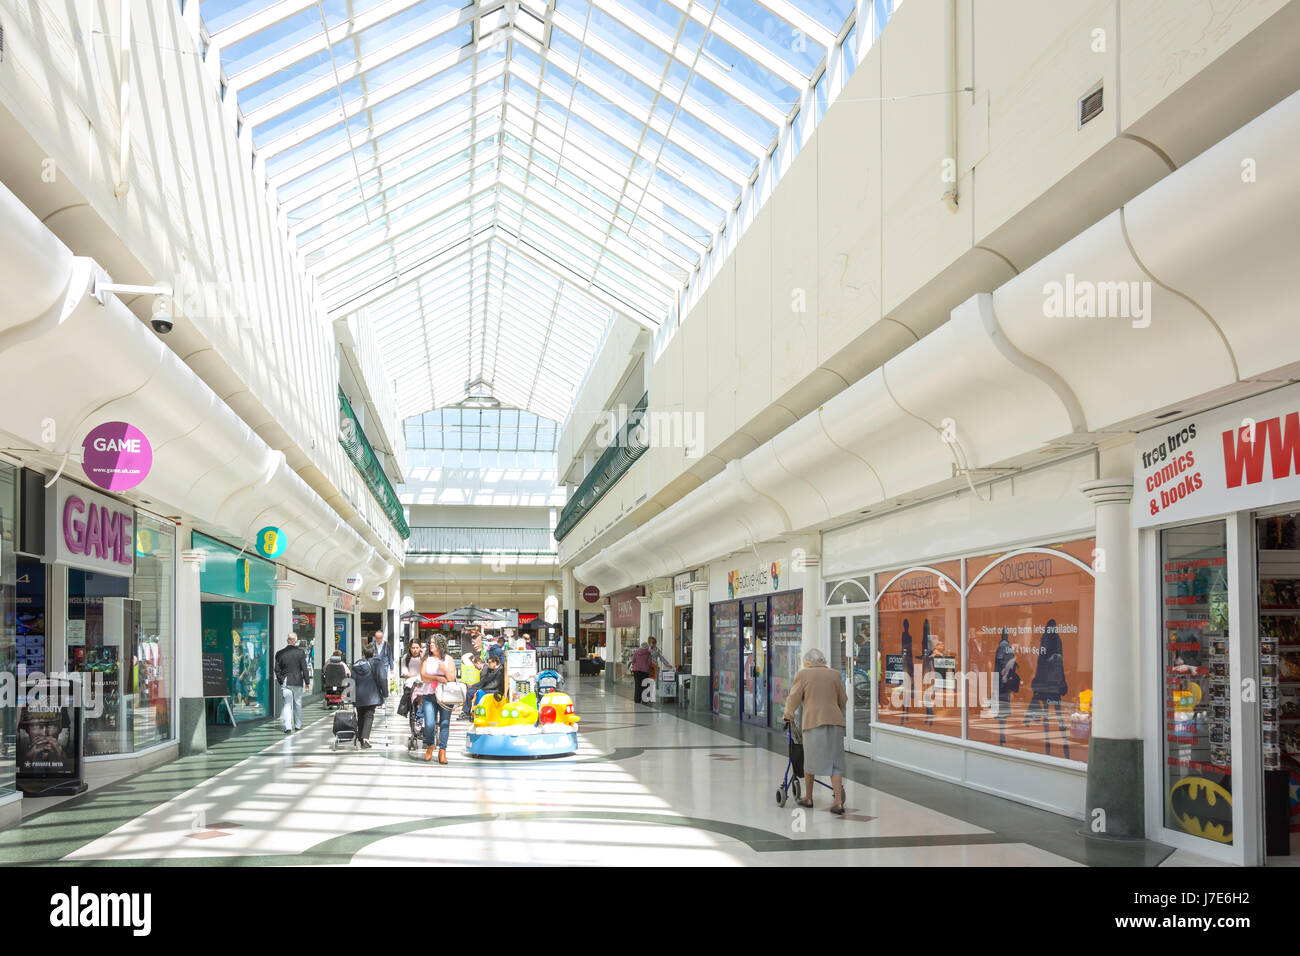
(491,182)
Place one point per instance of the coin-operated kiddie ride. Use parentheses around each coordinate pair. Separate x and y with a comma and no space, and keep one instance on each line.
(517,723)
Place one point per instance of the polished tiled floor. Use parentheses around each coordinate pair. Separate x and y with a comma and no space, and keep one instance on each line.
(646,787)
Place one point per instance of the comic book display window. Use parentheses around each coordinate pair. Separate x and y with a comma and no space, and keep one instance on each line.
(1195,675)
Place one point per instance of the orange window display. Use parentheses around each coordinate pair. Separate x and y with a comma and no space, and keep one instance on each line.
(1029,621)
(919,618)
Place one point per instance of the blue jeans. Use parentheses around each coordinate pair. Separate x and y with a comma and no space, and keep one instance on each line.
(437,722)
(292,706)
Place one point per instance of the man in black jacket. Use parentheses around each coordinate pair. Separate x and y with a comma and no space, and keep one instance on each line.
(292,675)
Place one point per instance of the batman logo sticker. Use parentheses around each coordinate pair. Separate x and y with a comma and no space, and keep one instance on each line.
(1202,807)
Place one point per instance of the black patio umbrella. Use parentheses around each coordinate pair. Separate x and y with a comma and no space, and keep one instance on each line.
(468,615)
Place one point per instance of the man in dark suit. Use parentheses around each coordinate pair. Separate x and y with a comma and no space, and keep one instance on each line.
(292,675)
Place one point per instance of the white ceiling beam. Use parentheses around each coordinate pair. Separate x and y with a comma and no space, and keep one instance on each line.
(319,43)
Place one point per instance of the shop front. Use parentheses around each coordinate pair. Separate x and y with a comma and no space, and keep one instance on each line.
(345,606)
(684,618)
(238,595)
(963,630)
(111,586)
(11,627)
(623,634)
(755,637)
(1217,496)
(307,623)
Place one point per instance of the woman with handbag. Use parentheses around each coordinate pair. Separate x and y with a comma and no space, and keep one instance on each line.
(436,669)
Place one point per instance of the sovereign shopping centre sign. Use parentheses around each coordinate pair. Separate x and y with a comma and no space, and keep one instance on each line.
(1234,458)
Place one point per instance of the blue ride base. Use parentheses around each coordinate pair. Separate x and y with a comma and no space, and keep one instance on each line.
(526,745)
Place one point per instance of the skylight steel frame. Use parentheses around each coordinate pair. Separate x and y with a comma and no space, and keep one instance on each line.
(517,169)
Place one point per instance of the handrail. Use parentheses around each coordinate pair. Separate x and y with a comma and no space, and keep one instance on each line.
(627,447)
(354,442)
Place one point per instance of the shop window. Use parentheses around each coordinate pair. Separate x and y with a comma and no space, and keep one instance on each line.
(8,628)
(919,620)
(725,670)
(306,624)
(849,591)
(153,587)
(1279,681)
(785,633)
(1029,634)
(103,631)
(1194,680)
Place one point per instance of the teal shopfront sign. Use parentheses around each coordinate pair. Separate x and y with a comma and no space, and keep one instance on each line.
(228,572)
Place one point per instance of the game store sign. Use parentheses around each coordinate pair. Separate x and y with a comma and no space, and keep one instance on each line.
(88,530)
(1234,458)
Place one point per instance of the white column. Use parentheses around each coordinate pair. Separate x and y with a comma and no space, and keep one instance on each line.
(814,635)
(192,723)
(1115,777)
(189,625)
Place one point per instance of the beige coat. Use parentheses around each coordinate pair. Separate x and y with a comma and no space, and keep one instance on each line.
(821,691)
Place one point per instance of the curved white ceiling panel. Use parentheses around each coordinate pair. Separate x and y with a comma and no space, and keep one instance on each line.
(1122,344)
(1238,254)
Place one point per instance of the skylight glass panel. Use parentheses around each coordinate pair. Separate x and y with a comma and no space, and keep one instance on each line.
(732,110)
(774,35)
(275,39)
(763,82)
(219,14)
(279,85)
(656,13)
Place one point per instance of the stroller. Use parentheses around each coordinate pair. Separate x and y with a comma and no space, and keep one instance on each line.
(793,779)
(416,717)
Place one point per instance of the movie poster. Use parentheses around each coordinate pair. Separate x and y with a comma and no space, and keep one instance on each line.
(47,741)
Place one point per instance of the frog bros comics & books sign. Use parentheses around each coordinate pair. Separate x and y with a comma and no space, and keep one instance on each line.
(1241,456)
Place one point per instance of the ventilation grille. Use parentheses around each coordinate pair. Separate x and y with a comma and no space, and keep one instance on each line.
(2,44)
(1090,106)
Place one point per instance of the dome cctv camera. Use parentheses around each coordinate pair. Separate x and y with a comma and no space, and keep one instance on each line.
(161,319)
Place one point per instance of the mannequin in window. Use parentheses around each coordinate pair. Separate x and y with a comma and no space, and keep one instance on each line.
(1008,682)
(906,642)
(1049,686)
(926,657)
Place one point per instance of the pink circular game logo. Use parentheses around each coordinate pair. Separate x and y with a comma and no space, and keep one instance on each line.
(116,456)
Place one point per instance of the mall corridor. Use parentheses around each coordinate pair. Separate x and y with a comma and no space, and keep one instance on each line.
(647,787)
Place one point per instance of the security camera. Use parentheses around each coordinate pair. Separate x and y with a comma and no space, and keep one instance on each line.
(161,320)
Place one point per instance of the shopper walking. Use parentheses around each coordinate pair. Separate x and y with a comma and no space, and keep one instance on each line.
(436,668)
(821,692)
(642,662)
(370,678)
(292,675)
(383,650)
(470,672)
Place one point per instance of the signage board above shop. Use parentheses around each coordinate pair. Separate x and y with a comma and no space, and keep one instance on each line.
(625,609)
(682,588)
(88,530)
(1233,458)
(748,582)
(343,601)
